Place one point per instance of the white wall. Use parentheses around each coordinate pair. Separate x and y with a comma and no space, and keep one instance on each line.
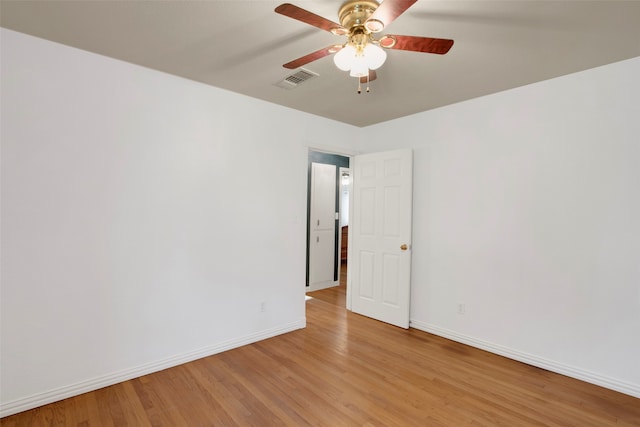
(527,210)
(145,219)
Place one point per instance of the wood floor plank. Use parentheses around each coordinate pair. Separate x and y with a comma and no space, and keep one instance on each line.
(345,370)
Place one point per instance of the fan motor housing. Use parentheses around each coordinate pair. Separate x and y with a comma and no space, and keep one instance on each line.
(356,12)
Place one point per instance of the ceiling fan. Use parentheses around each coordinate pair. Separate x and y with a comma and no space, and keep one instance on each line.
(362,53)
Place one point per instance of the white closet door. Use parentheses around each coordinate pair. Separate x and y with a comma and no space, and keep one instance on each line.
(322,225)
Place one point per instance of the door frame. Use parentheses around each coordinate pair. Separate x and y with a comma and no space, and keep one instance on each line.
(340,209)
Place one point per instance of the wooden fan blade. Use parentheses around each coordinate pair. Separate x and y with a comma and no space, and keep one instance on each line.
(295,12)
(389,10)
(312,57)
(372,77)
(422,44)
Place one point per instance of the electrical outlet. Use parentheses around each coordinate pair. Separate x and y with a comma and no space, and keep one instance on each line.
(462,309)
(263,306)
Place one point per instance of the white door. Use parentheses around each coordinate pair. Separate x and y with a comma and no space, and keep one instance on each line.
(380,260)
(322,231)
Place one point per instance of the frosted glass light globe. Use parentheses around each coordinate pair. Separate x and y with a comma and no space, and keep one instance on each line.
(359,68)
(375,56)
(345,57)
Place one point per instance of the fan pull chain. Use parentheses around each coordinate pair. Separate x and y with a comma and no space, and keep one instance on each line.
(368,74)
(360,85)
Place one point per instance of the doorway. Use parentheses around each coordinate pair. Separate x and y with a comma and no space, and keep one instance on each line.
(325,218)
(379,236)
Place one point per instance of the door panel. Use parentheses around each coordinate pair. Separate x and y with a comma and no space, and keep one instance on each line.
(321,255)
(367,273)
(367,211)
(390,273)
(382,187)
(391,215)
(323,196)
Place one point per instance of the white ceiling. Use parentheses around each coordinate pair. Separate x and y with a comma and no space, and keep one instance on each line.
(241,45)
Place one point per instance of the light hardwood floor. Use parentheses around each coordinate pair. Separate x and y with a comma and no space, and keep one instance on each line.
(345,370)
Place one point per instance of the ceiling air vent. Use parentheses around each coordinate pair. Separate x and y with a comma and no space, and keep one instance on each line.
(296,79)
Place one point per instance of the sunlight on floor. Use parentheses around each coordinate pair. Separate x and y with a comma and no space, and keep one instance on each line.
(307,297)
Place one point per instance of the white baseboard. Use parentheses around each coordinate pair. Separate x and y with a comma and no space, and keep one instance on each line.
(549,365)
(39,399)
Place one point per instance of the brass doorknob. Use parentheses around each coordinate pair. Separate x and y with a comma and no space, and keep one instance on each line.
(403,247)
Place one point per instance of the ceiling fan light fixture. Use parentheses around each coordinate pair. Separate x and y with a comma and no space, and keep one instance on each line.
(358,61)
